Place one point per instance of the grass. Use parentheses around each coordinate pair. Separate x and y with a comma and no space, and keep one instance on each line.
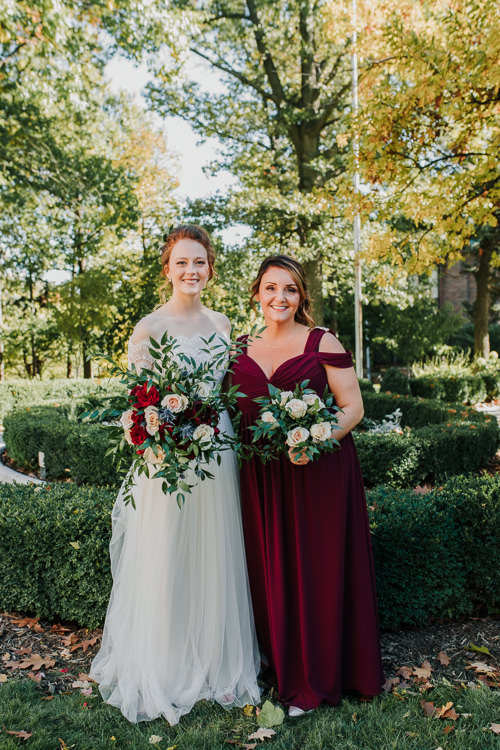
(392,721)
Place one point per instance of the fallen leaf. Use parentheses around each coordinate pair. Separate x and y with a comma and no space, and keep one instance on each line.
(24,651)
(47,697)
(36,662)
(440,712)
(429,708)
(251,746)
(423,672)
(23,735)
(354,718)
(59,629)
(75,545)
(84,645)
(262,734)
(405,672)
(495,728)
(481,666)
(3,678)
(35,677)
(425,687)
(29,622)
(6,656)
(390,683)
(154,739)
(443,658)
(421,489)
(65,652)
(85,677)
(248,710)
(70,639)
(270,715)
(450,714)
(449,728)
(478,649)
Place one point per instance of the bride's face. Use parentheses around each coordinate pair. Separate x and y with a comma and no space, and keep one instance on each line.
(188,268)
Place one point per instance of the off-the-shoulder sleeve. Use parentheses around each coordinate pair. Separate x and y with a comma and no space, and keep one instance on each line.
(138,348)
(335,359)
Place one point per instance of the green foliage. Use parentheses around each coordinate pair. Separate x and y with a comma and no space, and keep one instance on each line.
(14,393)
(434,552)
(54,547)
(438,442)
(71,448)
(466,389)
(395,381)
(366,386)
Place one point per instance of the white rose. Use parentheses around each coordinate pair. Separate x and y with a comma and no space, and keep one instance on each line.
(284,397)
(152,419)
(126,419)
(128,437)
(321,431)
(203,433)
(175,402)
(268,416)
(151,457)
(312,399)
(203,389)
(296,408)
(296,436)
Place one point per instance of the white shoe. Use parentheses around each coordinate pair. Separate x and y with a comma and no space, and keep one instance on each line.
(294,712)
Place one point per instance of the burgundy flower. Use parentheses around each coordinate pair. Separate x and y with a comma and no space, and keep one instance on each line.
(136,417)
(138,434)
(143,396)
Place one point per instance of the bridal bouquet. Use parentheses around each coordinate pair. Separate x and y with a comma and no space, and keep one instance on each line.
(169,417)
(299,419)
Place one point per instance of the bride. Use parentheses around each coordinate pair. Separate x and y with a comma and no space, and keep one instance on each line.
(179,626)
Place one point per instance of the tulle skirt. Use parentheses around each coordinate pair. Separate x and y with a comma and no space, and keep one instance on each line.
(179,626)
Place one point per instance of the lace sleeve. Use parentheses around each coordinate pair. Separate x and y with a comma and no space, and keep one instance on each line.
(138,348)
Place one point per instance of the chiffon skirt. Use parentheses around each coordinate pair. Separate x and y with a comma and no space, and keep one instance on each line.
(179,625)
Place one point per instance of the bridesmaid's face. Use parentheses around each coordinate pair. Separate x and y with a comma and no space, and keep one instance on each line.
(278,295)
(188,268)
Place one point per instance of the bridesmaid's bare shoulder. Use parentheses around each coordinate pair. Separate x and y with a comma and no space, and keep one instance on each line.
(330,344)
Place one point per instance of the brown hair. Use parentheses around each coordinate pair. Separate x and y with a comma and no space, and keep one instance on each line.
(190,232)
(296,271)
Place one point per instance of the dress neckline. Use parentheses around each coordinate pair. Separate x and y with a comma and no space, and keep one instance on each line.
(286,361)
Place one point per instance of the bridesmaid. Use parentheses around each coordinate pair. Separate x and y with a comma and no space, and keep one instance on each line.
(306,526)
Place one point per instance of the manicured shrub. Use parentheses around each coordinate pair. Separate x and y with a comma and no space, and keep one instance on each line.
(463,388)
(366,386)
(395,381)
(435,554)
(14,393)
(54,550)
(71,448)
(439,441)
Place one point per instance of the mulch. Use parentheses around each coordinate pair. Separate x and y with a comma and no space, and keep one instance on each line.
(58,656)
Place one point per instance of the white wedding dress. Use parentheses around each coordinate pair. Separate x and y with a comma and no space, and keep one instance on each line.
(179,626)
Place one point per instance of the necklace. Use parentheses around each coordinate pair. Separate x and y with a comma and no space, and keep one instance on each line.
(269,346)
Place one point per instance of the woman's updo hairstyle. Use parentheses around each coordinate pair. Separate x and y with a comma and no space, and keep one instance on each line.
(190,232)
(296,271)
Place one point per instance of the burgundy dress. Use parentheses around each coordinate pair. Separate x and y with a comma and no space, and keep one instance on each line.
(308,552)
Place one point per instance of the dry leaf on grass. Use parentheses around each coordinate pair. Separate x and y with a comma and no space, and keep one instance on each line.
(429,708)
(262,734)
(482,667)
(23,735)
(423,672)
(3,678)
(36,662)
(495,728)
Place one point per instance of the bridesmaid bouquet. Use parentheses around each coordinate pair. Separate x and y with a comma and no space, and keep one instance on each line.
(168,418)
(295,419)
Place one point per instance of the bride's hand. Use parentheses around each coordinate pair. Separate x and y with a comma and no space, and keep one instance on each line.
(298,457)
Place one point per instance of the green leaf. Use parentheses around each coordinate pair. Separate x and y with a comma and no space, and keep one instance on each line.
(478,649)
(270,715)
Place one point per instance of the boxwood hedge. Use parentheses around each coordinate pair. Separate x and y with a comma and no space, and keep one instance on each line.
(434,554)
(439,441)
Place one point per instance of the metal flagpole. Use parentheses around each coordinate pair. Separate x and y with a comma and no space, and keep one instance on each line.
(358,311)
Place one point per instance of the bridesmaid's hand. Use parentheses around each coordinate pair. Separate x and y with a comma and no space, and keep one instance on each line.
(298,457)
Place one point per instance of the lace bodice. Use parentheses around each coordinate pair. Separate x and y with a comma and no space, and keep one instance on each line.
(193,346)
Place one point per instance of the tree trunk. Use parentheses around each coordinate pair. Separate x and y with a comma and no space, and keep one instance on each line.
(482,305)
(87,363)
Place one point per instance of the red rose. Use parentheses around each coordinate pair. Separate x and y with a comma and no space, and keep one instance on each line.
(138,434)
(146,397)
(136,417)
(139,452)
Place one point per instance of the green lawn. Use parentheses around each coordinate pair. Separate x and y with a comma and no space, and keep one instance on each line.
(390,721)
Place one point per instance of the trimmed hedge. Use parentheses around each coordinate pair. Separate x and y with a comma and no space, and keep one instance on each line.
(434,554)
(466,389)
(14,393)
(72,448)
(442,441)
(395,381)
